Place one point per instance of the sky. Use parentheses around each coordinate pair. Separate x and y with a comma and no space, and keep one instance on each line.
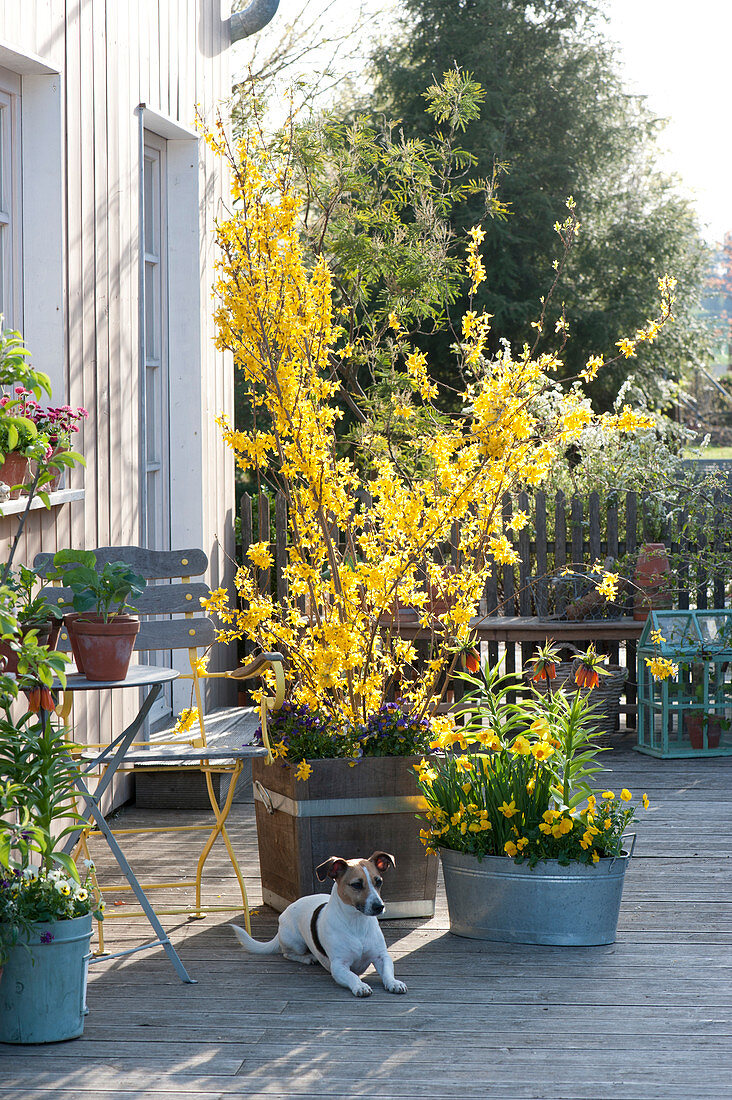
(678,56)
(675,55)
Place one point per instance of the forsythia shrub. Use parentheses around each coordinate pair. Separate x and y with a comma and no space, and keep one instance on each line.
(365,538)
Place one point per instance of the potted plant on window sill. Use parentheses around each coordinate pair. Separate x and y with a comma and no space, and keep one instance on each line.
(57,424)
(20,442)
(530,852)
(101,632)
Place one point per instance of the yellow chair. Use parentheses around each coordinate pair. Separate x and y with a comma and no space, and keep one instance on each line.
(183,627)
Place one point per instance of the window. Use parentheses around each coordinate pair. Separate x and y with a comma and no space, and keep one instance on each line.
(11,281)
(156,461)
(172,496)
(32,208)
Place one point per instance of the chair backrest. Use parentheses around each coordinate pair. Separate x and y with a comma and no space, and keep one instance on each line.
(179,598)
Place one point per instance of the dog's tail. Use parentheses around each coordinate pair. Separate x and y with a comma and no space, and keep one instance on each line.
(256,947)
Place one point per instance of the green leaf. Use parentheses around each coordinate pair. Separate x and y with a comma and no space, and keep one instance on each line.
(65,861)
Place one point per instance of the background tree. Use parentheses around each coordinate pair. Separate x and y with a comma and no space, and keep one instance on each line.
(557,114)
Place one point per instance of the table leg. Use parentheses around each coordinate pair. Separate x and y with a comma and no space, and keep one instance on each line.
(91,806)
(135,885)
(122,744)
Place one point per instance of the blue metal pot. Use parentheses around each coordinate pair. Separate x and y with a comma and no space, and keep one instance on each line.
(43,984)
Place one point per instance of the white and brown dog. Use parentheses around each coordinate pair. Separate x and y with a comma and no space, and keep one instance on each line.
(342,933)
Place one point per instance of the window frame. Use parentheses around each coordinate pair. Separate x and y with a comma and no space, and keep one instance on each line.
(11,200)
(155,376)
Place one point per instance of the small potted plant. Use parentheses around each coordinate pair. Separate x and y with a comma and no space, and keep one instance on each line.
(101,632)
(697,720)
(45,907)
(34,612)
(530,851)
(20,441)
(57,423)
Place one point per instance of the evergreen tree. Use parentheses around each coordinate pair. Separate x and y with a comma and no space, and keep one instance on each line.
(557,115)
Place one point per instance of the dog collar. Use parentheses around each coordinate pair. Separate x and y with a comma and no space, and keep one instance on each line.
(314,929)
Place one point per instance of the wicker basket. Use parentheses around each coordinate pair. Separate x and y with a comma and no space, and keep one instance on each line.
(605,698)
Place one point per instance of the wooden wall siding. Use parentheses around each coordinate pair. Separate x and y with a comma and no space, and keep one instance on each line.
(113,55)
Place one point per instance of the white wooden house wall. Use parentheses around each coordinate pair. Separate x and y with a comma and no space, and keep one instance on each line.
(85,66)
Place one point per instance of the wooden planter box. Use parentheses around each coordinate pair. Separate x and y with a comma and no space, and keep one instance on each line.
(348,811)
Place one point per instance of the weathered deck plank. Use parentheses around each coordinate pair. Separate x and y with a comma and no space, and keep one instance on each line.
(647,1018)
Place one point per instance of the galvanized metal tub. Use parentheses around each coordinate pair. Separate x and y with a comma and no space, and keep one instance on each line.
(43,987)
(497,899)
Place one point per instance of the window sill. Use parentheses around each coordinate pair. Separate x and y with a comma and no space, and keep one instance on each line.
(59,496)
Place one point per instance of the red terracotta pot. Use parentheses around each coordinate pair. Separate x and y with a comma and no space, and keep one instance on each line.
(694,727)
(653,578)
(11,657)
(14,471)
(69,622)
(105,648)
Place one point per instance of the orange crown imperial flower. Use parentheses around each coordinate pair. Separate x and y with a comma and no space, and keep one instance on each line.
(545,663)
(588,672)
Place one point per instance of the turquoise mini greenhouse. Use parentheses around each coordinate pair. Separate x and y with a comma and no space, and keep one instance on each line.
(689,713)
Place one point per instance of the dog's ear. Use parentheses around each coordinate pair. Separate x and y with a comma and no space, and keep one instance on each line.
(382,861)
(332,868)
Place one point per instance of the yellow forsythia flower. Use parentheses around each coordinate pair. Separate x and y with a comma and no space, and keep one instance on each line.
(303,770)
(608,587)
(661,667)
(186,719)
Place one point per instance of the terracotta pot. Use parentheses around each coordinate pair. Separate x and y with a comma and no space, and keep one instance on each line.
(653,579)
(55,630)
(11,657)
(694,728)
(105,648)
(14,471)
(69,622)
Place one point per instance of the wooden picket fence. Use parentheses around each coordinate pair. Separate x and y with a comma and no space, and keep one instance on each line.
(562,533)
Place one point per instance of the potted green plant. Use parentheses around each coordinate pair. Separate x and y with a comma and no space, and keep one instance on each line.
(333,784)
(34,612)
(101,632)
(697,721)
(531,853)
(45,907)
(57,423)
(20,442)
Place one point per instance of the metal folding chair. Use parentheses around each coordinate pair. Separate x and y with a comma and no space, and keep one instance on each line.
(184,627)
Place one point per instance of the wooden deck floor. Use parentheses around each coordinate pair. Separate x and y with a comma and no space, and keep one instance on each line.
(648,1017)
